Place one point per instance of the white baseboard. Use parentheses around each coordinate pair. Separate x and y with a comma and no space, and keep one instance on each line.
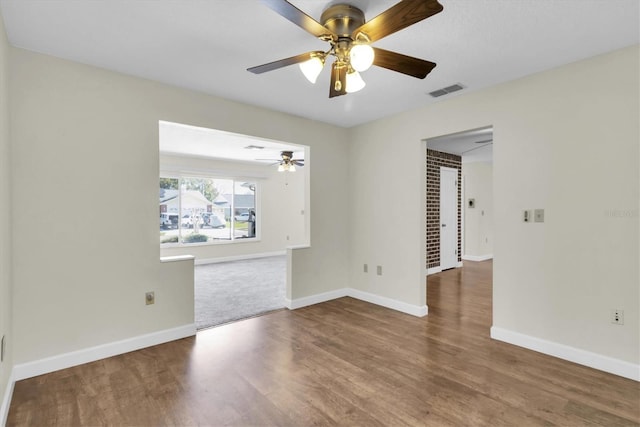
(238,257)
(572,354)
(477,257)
(434,270)
(315,299)
(438,269)
(91,354)
(414,310)
(6,401)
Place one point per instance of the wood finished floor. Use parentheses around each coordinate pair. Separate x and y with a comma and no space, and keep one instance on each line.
(344,362)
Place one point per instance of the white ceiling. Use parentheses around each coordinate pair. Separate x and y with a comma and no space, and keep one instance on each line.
(207,46)
(185,140)
(473,145)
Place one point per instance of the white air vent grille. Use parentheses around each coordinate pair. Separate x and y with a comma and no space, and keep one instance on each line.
(446,90)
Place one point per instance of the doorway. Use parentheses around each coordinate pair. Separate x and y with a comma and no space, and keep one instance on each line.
(469,236)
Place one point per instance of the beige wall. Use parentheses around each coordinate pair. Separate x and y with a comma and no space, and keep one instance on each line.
(281,199)
(86,140)
(565,140)
(478,221)
(5,215)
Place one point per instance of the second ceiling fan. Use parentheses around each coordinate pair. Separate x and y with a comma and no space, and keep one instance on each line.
(343,26)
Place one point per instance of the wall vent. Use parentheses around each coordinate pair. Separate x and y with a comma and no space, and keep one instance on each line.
(446,90)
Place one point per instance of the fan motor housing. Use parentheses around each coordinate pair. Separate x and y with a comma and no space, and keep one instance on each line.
(342,19)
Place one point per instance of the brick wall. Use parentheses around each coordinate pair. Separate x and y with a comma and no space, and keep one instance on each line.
(436,160)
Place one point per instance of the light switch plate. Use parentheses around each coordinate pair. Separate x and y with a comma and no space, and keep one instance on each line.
(538,215)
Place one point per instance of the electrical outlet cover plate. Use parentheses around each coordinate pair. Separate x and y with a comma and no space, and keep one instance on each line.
(617,316)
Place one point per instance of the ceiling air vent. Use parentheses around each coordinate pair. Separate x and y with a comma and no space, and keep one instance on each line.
(446,90)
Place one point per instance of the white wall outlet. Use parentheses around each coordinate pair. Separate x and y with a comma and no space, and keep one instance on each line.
(379,270)
(366,268)
(538,215)
(150,298)
(617,316)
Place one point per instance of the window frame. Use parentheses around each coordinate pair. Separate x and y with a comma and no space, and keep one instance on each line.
(212,241)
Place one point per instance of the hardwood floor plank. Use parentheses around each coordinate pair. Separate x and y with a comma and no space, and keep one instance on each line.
(343,362)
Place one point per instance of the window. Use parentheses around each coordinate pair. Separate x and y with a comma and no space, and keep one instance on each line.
(206,210)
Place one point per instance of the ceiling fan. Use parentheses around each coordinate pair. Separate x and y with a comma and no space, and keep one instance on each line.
(343,26)
(287,163)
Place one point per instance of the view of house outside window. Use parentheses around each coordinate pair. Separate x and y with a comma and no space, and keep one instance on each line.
(206,210)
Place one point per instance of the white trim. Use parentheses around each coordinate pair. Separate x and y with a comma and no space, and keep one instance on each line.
(176,258)
(91,354)
(301,246)
(238,257)
(414,310)
(477,257)
(6,401)
(316,299)
(434,270)
(572,354)
(393,304)
(459,264)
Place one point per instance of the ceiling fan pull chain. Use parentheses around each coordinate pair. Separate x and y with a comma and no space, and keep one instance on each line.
(338,85)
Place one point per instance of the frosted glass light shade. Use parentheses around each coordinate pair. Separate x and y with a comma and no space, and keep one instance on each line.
(361,57)
(286,167)
(354,82)
(312,68)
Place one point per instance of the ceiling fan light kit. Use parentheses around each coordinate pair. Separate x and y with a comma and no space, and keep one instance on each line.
(287,163)
(344,27)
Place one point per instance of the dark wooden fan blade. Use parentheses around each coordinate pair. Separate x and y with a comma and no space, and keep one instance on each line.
(297,162)
(301,19)
(281,63)
(338,80)
(404,64)
(400,16)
